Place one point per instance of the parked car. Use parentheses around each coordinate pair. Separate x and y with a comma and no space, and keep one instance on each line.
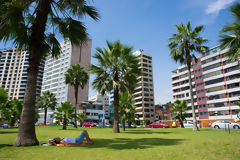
(105,125)
(158,125)
(224,124)
(126,125)
(89,124)
(189,124)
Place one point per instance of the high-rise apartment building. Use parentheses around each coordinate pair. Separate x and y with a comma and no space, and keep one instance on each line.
(13,72)
(144,92)
(216,86)
(55,69)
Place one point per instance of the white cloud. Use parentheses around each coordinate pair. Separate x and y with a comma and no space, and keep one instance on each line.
(217,5)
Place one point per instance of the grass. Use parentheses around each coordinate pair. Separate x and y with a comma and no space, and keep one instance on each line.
(133,144)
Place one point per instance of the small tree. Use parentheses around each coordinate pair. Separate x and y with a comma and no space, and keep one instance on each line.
(3,101)
(81,117)
(179,111)
(46,101)
(76,77)
(64,114)
(126,109)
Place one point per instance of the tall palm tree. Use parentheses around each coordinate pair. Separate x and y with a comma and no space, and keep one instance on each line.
(179,111)
(76,77)
(47,101)
(231,38)
(64,114)
(33,25)
(182,45)
(117,69)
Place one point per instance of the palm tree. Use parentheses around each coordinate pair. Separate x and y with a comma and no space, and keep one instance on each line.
(179,111)
(117,70)
(46,101)
(231,38)
(127,109)
(33,25)
(64,114)
(81,117)
(181,46)
(76,77)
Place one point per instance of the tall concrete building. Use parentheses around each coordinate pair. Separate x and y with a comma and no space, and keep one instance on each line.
(144,92)
(13,72)
(55,69)
(216,86)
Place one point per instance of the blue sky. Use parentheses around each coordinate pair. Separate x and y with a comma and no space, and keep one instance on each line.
(147,25)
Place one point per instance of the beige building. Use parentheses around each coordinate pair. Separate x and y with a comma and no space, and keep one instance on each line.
(13,72)
(144,92)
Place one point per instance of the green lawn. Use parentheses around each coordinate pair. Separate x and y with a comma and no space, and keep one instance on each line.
(133,144)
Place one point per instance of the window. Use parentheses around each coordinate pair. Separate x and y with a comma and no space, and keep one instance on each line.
(199,77)
(200,84)
(202,106)
(201,91)
(203,113)
(198,70)
(201,98)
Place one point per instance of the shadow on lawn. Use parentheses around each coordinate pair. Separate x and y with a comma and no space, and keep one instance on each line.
(127,143)
(144,131)
(7,132)
(5,145)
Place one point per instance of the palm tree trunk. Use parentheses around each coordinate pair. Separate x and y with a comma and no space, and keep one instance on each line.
(116,103)
(75,111)
(64,122)
(45,116)
(123,124)
(26,134)
(195,127)
(116,116)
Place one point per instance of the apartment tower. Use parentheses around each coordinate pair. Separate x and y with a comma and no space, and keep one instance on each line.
(13,72)
(55,69)
(144,92)
(216,86)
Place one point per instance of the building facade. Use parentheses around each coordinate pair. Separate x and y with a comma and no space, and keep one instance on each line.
(94,112)
(13,72)
(216,86)
(144,91)
(163,112)
(104,100)
(55,69)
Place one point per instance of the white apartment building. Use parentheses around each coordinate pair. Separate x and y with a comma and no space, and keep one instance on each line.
(55,69)
(13,72)
(144,91)
(216,86)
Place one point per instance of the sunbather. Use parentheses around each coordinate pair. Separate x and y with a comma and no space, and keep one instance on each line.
(71,141)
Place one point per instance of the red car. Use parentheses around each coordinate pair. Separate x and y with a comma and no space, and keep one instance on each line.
(89,124)
(158,125)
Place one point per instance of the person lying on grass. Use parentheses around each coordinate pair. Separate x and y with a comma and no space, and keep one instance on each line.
(71,141)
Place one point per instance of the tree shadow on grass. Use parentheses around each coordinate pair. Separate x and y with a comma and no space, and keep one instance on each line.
(8,132)
(5,145)
(127,143)
(145,132)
